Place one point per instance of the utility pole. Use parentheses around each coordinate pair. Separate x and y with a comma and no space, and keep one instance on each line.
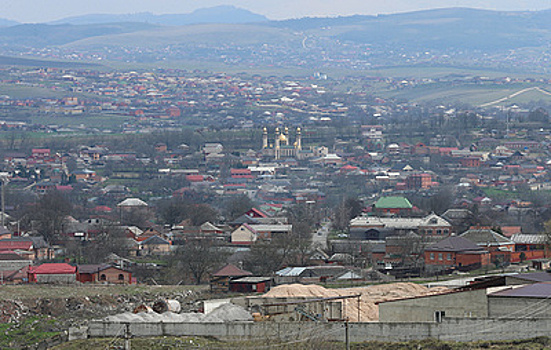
(127,336)
(4,179)
(346,335)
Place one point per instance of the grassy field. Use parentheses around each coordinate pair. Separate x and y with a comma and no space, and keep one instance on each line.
(162,343)
(53,291)
(469,93)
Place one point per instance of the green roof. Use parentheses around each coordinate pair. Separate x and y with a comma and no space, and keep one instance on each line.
(393,203)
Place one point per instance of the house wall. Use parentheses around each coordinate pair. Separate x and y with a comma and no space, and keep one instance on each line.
(242,235)
(112,276)
(461,304)
(519,307)
(154,249)
(86,277)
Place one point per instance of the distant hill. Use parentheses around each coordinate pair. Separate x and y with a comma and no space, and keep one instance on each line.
(218,14)
(198,34)
(468,36)
(7,22)
(29,62)
(442,29)
(40,35)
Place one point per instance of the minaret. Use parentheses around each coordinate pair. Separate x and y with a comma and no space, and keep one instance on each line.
(286,136)
(277,144)
(299,140)
(265,139)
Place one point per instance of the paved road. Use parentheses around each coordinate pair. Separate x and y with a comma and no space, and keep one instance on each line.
(320,237)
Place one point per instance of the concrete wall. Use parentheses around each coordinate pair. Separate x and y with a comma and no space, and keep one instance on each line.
(422,309)
(519,307)
(11,265)
(56,278)
(454,329)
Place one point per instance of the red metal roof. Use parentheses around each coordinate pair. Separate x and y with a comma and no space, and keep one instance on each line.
(15,245)
(53,268)
(231,271)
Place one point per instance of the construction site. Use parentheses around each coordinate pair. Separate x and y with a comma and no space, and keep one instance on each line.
(301,312)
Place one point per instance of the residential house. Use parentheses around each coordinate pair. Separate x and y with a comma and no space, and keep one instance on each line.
(244,235)
(392,205)
(455,252)
(155,245)
(220,279)
(33,248)
(52,273)
(378,227)
(103,274)
(499,246)
(529,247)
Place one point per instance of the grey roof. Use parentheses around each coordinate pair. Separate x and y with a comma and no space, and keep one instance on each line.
(534,276)
(523,238)
(484,236)
(95,268)
(538,290)
(457,214)
(155,240)
(454,244)
(10,257)
(37,241)
(251,280)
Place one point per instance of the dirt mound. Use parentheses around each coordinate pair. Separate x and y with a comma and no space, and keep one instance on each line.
(366,309)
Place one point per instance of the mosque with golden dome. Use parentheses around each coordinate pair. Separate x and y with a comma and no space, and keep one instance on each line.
(282,148)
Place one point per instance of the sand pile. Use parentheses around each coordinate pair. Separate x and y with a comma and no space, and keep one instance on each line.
(366,310)
(229,313)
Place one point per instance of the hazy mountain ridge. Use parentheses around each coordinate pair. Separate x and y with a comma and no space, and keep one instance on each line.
(37,35)
(434,37)
(218,14)
(7,22)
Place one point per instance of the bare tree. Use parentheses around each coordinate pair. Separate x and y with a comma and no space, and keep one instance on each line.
(50,212)
(197,258)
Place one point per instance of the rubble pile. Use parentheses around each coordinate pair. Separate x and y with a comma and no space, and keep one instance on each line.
(76,311)
(364,311)
(223,313)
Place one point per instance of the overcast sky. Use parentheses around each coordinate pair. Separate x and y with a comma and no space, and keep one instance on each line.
(48,10)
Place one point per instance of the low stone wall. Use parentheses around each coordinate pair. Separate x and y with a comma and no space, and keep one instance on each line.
(454,329)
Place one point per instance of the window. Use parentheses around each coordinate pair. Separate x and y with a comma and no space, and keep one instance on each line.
(448,257)
(121,277)
(439,315)
(431,256)
(438,232)
(102,277)
(446,232)
(440,257)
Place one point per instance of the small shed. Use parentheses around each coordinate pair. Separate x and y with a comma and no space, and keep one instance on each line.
(251,284)
(220,280)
